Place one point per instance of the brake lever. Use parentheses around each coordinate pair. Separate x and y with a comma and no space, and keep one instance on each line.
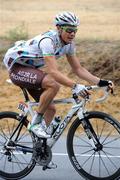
(110,90)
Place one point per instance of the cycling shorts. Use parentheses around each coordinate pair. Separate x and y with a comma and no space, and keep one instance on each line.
(29,78)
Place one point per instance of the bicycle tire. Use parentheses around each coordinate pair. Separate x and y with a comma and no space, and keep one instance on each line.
(108,133)
(8,122)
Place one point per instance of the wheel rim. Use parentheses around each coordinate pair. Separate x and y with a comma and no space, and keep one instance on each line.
(103,162)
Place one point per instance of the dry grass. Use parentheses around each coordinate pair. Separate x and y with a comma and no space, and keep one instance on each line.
(100,19)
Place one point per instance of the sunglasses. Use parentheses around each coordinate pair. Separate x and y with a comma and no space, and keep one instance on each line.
(69,29)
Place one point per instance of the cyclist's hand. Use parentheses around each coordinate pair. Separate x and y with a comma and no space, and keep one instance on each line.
(109,84)
(80,90)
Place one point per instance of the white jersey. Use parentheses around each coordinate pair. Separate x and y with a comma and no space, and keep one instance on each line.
(33,51)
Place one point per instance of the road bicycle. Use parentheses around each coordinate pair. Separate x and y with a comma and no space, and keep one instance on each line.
(93,140)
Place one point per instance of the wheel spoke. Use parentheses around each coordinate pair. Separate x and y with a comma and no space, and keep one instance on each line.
(92,164)
(8,127)
(103,127)
(87,159)
(110,159)
(24,135)
(97,128)
(83,140)
(110,141)
(109,134)
(13,127)
(99,164)
(110,147)
(3,134)
(101,161)
(104,165)
(15,163)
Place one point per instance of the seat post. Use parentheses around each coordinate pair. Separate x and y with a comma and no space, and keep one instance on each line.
(25,93)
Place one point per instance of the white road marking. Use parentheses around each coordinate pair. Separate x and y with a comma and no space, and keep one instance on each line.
(84,155)
(65,154)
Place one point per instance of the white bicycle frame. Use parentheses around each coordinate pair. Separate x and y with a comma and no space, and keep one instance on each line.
(78,108)
(27,108)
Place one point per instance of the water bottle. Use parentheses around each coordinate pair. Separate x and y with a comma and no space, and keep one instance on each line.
(53,125)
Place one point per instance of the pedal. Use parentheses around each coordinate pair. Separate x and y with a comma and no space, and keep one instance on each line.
(51,165)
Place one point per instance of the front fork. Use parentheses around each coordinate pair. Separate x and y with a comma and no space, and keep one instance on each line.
(91,134)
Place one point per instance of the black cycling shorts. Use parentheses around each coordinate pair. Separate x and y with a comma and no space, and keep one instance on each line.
(29,78)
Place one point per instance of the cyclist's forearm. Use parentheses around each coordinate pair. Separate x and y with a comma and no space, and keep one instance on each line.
(86,75)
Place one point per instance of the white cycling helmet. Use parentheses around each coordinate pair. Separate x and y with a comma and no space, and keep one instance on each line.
(66,18)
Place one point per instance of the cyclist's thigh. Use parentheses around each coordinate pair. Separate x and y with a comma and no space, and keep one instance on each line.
(27,77)
(35,93)
(49,81)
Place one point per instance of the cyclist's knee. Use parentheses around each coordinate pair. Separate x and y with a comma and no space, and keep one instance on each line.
(55,86)
(52,108)
(49,82)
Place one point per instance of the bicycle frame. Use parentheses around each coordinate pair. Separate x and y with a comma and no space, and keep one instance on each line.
(77,108)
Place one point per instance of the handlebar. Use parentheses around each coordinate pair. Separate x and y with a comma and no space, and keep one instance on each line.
(105,91)
(95,87)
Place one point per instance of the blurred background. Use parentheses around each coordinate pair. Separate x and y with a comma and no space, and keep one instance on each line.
(100,19)
(97,41)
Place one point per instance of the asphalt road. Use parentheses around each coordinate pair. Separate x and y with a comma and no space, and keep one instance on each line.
(64,170)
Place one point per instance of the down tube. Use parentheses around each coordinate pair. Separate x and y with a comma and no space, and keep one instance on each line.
(62,126)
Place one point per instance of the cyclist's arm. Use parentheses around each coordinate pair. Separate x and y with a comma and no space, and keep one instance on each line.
(47,48)
(80,71)
(52,69)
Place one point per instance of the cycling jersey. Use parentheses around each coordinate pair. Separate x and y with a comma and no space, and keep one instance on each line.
(33,51)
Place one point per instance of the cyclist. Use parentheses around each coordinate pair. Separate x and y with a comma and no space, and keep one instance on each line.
(25,60)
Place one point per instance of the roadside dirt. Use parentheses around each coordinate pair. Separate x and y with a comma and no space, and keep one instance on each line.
(102,59)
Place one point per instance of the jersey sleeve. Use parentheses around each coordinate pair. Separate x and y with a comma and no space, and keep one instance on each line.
(71,50)
(47,47)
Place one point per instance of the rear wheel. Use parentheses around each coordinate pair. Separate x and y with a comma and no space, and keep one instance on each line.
(102,162)
(15,163)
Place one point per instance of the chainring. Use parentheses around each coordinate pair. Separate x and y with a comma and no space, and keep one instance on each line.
(43,155)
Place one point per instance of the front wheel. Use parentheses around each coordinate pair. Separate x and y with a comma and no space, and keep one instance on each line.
(95,163)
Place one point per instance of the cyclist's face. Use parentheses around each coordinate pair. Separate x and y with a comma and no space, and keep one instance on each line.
(68,33)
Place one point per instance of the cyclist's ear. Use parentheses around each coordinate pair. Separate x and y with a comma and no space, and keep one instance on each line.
(59,29)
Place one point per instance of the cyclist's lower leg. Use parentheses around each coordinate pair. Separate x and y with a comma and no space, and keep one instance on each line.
(49,114)
(51,88)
